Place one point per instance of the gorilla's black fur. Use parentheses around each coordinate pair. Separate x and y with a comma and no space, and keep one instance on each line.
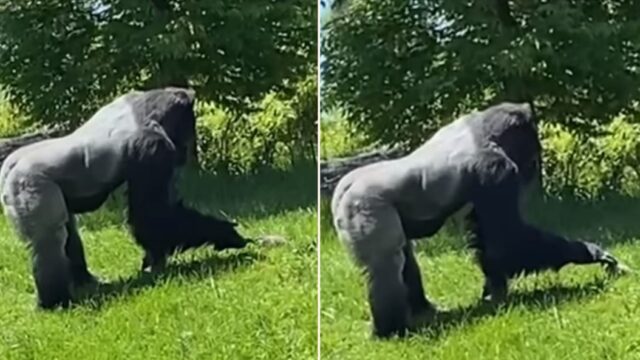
(484,159)
(140,139)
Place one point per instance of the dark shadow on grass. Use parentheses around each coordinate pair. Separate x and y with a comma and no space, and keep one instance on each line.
(539,299)
(210,266)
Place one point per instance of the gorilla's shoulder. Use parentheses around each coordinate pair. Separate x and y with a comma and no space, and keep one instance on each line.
(500,119)
(155,104)
(161,97)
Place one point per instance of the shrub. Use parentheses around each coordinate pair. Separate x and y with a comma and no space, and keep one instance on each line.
(12,122)
(590,167)
(339,137)
(280,132)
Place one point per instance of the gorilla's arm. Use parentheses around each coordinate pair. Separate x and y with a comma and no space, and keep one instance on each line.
(160,226)
(507,245)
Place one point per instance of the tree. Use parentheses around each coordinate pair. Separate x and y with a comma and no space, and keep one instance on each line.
(62,59)
(402,68)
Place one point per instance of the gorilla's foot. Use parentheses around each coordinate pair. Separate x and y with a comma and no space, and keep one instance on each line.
(495,297)
(391,317)
(53,283)
(153,264)
(155,268)
(399,332)
(54,299)
(423,318)
(40,306)
(495,290)
(617,269)
(83,278)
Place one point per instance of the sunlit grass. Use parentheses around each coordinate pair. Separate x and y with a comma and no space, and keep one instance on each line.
(255,303)
(578,313)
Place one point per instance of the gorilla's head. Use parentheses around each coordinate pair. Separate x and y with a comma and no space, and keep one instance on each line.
(173,109)
(513,127)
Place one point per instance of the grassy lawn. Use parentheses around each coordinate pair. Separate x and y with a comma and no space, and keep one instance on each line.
(578,313)
(256,303)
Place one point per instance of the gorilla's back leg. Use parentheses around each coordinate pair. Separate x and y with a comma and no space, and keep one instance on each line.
(421,308)
(36,208)
(51,270)
(75,252)
(418,303)
(373,233)
(388,296)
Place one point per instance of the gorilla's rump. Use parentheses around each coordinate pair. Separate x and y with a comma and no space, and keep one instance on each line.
(370,227)
(36,207)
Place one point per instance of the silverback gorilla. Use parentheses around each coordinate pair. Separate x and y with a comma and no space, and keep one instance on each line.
(140,139)
(482,159)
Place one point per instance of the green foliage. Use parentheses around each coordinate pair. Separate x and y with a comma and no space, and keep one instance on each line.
(280,133)
(12,122)
(61,59)
(303,130)
(589,167)
(338,137)
(403,68)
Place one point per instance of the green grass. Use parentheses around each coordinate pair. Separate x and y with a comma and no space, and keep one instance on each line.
(578,313)
(256,303)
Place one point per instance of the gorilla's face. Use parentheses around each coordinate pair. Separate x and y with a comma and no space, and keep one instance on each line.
(180,126)
(522,146)
(529,169)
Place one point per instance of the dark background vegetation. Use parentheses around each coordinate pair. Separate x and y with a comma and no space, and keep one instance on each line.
(252,64)
(397,70)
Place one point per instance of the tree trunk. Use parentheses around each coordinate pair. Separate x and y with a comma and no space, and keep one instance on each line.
(332,170)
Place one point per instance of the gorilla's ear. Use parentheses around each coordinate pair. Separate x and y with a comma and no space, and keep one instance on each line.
(183,95)
(191,95)
(522,115)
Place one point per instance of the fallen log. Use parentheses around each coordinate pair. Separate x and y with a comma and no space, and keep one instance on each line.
(332,170)
(9,145)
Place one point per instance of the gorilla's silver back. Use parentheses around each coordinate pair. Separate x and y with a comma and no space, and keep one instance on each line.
(424,184)
(85,159)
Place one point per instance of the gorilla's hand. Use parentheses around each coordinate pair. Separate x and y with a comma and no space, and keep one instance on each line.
(224,235)
(610,262)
